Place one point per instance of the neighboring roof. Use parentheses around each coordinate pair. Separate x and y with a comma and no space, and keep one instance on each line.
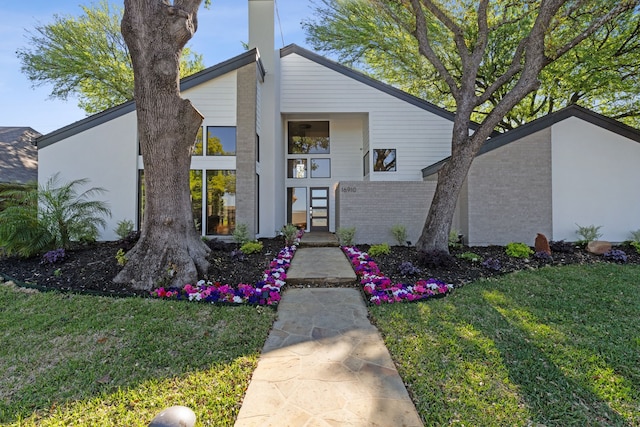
(18,154)
(363,78)
(549,120)
(203,76)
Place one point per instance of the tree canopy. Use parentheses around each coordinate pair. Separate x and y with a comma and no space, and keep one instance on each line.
(602,73)
(486,60)
(86,57)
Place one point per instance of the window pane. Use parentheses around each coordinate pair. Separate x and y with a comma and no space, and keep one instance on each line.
(297,168)
(320,168)
(221,141)
(366,164)
(384,160)
(221,201)
(308,138)
(197,145)
(141,196)
(297,207)
(195,184)
(319,192)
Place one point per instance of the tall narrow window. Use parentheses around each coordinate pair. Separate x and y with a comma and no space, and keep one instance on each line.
(297,207)
(221,202)
(195,184)
(197,144)
(221,141)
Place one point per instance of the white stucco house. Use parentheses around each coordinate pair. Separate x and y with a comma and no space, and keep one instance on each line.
(291,137)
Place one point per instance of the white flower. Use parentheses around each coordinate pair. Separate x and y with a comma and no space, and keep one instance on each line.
(237,299)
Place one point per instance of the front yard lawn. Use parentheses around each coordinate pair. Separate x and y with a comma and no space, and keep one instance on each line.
(556,347)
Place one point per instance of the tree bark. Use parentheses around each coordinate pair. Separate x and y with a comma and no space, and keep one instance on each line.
(170,251)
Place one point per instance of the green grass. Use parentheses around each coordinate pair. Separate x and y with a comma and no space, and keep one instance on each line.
(553,347)
(83,360)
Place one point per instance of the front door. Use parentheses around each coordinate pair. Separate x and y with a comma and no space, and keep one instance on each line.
(319,208)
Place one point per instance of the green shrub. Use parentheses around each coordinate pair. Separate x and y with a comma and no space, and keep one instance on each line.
(124,228)
(589,233)
(399,232)
(289,232)
(454,238)
(470,256)
(50,217)
(380,249)
(346,235)
(241,234)
(518,250)
(121,257)
(251,247)
(635,240)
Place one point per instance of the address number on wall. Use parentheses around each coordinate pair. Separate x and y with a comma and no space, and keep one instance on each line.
(349,189)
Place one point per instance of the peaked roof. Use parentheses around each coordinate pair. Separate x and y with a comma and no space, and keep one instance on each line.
(198,78)
(18,154)
(549,120)
(370,81)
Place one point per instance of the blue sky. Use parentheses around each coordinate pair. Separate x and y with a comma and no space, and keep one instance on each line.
(221,31)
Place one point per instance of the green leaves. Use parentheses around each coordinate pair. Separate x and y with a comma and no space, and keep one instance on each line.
(86,56)
(50,217)
(600,73)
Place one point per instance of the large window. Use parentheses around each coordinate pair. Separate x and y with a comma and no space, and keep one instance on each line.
(220,209)
(221,202)
(221,141)
(308,137)
(303,139)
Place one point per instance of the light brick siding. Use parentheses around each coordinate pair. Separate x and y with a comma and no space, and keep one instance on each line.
(246,148)
(374,207)
(509,193)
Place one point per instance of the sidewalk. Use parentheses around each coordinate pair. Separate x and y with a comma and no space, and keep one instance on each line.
(323,363)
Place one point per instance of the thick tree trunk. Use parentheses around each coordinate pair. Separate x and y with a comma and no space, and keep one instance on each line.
(170,251)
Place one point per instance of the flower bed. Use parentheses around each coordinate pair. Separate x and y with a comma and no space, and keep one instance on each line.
(381,289)
(265,292)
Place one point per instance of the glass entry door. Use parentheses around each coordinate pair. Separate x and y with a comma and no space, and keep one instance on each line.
(319,208)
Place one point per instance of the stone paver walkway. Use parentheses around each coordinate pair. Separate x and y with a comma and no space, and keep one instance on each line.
(324,364)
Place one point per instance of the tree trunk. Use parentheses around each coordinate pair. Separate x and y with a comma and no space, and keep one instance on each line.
(170,251)
(451,177)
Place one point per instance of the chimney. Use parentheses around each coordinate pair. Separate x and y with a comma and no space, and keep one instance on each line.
(262,30)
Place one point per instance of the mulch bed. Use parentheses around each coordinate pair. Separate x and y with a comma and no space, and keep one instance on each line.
(90,268)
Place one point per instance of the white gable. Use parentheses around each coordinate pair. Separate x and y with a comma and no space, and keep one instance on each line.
(419,136)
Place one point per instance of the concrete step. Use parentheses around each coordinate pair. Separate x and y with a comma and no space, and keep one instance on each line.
(319,239)
(320,267)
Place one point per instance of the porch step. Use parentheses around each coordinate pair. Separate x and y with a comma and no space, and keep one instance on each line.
(319,239)
(320,267)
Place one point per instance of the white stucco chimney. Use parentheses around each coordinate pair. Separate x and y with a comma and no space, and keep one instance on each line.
(271,168)
(262,30)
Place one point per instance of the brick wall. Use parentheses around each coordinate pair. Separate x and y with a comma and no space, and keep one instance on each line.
(373,207)
(246,148)
(509,193)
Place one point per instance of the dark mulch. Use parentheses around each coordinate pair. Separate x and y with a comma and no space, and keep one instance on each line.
(457,271)
(91,268)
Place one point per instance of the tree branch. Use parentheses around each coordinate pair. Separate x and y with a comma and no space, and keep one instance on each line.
(421,34)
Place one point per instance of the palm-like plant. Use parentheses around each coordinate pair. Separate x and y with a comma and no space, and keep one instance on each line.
(51,216)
